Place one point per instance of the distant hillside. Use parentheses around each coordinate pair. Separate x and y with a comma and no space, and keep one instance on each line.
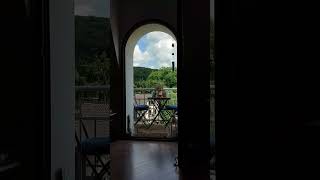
(92,35)
(94,50)
(150,78)
(142,73)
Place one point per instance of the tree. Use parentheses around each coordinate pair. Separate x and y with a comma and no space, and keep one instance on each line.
(164,76)
(93,70)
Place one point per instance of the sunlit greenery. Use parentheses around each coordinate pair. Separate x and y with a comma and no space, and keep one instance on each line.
(153,77)
(93,55)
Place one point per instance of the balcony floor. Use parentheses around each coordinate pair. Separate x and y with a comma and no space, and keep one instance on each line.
(156,131)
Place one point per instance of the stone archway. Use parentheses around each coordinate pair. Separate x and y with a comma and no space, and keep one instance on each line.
(129,50)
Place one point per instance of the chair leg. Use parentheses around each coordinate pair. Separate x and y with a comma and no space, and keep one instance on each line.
(141,115)
(172,116)
(95,172)
(139,118)
(105,167)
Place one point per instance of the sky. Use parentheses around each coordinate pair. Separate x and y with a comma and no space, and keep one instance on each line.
(154,50)
(98,8)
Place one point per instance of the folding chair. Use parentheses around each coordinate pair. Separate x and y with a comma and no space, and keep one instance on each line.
(173,115)
(140,110)
(95,147)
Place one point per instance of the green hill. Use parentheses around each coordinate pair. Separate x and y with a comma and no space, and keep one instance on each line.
(142,73)
(94,50)
(93,36)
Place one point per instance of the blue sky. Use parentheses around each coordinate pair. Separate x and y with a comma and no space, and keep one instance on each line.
(154,50)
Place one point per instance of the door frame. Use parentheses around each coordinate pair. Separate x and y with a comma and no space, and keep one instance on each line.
(137,25)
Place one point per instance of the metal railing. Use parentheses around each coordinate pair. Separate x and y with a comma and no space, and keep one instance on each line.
(141,95)
(164,125)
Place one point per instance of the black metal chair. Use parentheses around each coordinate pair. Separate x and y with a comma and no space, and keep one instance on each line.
(92,149)
(174,112)
(140,110)
(95,147)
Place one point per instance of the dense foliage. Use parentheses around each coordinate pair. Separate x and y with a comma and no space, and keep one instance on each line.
(142,73)
(94,50)
(150,78)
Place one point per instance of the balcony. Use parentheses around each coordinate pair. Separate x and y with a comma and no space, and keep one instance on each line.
(153,124)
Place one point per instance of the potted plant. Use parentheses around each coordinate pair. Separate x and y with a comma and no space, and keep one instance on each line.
(159,91)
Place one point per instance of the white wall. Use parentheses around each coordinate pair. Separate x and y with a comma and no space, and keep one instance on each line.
(62,91)
(131,43)
(129,86)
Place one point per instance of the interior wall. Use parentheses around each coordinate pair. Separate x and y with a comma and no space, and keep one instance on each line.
(21,124)
(267,78)
(62,87)
(129,87)
(194,76)
(125,14)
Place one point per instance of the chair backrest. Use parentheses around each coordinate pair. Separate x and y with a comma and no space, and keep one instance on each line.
(142,97)
(139,99)
(95,119)
(94,110)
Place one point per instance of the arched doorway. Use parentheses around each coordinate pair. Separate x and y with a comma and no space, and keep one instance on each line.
(130,46)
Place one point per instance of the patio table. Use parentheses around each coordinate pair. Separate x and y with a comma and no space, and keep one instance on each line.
(160,104)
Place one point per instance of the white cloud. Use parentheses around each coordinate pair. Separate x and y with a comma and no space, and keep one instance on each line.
(98,8)
(140,58)
(158,47)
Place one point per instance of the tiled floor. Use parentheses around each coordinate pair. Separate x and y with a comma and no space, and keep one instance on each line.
(148,160)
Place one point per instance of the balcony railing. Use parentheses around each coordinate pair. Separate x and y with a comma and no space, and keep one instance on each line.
(141,95)
(164,126)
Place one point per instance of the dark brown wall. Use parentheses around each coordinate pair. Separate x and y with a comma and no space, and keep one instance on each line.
(193,85)
(133,12)
(266,80)
(125,14)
